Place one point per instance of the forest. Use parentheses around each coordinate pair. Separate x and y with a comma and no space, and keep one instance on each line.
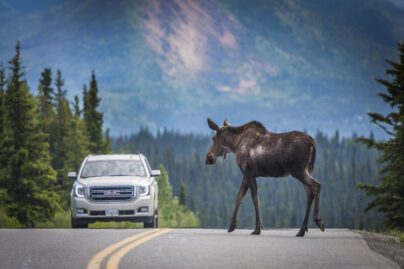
(45,135)
(42,138)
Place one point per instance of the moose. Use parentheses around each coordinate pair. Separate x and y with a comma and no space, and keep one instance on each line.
(260,153)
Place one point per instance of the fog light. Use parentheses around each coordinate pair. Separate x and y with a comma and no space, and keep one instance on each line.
(81,211)
(143,209)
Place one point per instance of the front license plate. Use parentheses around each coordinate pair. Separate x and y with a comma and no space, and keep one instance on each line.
(111,212)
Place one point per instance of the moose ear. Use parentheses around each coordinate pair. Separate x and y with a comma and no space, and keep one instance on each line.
(226,123)
(212,125)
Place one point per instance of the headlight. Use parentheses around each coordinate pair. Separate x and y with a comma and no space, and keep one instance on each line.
(144,190)
(78,190)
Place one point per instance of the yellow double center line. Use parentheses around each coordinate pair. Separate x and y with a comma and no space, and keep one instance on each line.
(121,248)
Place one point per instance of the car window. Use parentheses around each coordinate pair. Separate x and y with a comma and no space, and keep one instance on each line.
(113,168)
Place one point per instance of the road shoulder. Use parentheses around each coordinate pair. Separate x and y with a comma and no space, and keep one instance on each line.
(385,245)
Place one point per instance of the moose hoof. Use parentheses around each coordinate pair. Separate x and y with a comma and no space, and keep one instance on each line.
(232,227)
(320,224)
(256,231)
(301,232)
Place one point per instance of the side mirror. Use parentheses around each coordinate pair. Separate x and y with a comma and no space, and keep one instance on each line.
(72,175)
(155,173)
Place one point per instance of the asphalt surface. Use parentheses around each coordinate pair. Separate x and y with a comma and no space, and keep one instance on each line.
(190,248)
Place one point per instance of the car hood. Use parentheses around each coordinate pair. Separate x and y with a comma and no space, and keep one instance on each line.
(113,181)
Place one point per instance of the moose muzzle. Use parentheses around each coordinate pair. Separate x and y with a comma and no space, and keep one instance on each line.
(210,159)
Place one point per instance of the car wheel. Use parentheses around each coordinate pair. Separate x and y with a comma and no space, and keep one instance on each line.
(75,224)
(154,223)
(156,219)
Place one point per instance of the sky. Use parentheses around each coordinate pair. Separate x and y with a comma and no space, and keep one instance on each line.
(293,64)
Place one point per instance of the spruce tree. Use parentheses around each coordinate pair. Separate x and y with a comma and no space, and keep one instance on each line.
(92,117)
(389,193)
(77,137)
(3,82)
(45,98)
(107,147)
(2,98)
(85,102)
(76,107)
(28,173)
(62,144)
(182,196)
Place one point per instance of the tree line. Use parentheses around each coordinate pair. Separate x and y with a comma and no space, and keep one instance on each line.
(42,137)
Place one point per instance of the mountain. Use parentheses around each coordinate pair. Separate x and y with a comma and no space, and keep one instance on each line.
(292,64)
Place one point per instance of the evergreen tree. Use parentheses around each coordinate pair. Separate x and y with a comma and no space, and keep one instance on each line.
(61,124)
(27,171)
(182,196)
(76,107)
(389,193)
(85,101)
(107,143)
(78,137)
(45,98)
(60,92)
(3,83)
(92,117)
(62,143)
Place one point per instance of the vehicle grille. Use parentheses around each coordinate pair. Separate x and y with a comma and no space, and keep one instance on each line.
(112,193)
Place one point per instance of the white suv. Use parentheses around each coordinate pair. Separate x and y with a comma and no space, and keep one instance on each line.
(114,188)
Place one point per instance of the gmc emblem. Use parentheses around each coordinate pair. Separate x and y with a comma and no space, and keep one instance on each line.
(111,192)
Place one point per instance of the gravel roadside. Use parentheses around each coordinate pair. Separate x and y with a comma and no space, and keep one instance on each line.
(386,245)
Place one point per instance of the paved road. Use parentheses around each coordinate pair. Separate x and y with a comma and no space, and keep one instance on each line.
(185,248)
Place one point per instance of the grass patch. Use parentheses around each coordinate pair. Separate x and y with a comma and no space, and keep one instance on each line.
(60,220)
(115,225)
(7,221)
(398,233)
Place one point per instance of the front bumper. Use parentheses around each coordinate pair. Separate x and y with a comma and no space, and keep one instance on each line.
(87,220)
(87,211)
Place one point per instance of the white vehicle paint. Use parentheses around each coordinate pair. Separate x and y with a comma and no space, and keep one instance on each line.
(114,188)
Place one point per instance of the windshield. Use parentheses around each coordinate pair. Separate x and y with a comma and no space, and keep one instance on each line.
(113,168)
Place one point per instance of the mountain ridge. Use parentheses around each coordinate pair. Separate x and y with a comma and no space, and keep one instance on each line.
(292,65)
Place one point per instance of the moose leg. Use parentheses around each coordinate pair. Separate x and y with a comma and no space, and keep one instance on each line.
(254,196)
(243,189)
(309,196)
(315,187)
(316,192)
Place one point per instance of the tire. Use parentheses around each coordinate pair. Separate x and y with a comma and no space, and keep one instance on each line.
(76,225)
(154,223)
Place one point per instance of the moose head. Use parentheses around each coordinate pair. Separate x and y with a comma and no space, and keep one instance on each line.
(221,139)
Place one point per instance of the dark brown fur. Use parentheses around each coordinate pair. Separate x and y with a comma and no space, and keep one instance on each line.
(260,153)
